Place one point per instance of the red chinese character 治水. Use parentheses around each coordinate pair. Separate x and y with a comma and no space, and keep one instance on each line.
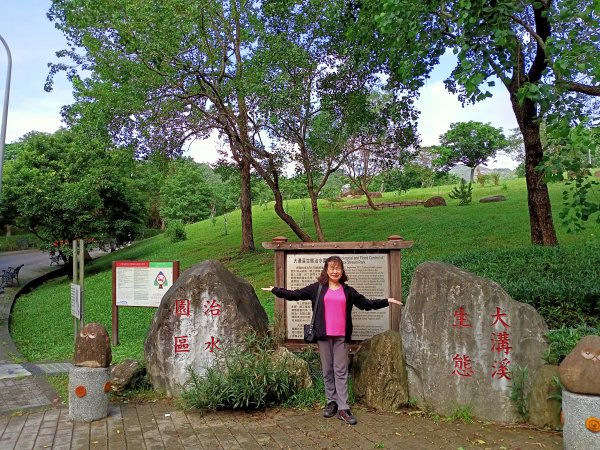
(212,345)
(212,307)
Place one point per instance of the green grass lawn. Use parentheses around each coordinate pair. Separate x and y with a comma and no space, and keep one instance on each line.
(490,239)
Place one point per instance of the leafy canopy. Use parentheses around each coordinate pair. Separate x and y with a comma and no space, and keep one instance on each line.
(470,143)
(64,186)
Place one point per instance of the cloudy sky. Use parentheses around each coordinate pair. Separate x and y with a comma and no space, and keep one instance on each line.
(33,41)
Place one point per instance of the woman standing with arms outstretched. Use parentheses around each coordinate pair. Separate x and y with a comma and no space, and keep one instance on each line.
(333,325)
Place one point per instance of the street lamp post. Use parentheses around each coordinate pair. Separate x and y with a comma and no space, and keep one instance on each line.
(4,109)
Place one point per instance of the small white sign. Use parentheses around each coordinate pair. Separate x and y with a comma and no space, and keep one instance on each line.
(76,300)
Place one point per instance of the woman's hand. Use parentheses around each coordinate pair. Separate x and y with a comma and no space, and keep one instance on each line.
(270,288)
(394,301)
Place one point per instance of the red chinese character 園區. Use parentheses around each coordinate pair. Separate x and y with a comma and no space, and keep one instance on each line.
(212,345)
(212,307)
(501,369)
(498,317)
(182,307)
(182,344)
(462,366)
(501,342)
(460,318)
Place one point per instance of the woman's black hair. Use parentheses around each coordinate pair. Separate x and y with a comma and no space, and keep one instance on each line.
(324,278)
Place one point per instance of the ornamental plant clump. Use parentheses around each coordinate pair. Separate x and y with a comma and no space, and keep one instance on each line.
(243,377)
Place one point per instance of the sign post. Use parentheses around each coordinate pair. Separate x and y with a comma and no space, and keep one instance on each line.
(78,259)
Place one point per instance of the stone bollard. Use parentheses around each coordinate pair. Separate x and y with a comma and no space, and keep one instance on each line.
(579,373)
(89,379)
(581,427)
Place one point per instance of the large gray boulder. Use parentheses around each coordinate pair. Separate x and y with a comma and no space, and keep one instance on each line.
(207,310)
(462,334)
(126,375)
(579,372)
(432,202)
(544,399)
(378,374)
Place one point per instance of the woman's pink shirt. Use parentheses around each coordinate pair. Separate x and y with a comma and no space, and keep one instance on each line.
(335,312)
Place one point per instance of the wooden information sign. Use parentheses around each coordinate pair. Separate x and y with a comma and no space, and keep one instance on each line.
(139,283)
(373,269)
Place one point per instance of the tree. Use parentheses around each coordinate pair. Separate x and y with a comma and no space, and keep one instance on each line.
(315,98)
(64,186)
(162,73)
(544,52)
(386,138)
(185,194)
(469,143)
(303,103)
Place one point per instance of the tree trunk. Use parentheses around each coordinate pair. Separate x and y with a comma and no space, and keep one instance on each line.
(314,197)
(246,206)
(289,220)
(315,215)
(372,205)
(538,199)
(473,174)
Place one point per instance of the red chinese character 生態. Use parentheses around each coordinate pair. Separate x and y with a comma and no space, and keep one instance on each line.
(462,366)
(460,318)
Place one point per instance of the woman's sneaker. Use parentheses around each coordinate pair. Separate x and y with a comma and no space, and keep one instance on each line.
(346,416)
(330,409)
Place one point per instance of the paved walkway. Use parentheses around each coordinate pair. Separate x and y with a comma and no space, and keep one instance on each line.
(31,416)
(23,386)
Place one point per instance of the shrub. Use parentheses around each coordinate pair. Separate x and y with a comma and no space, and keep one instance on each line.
(564,339)
(463,192)
(243,377)
(495,178)
(519,390)
(176,231)
(560,282)
(482,179)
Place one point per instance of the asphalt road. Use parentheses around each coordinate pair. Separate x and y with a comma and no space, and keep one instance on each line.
(36,262)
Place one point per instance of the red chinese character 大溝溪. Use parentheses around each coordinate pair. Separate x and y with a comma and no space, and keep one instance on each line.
(462,365)
(498,317)
(460,318)
(501,369)
(501,342)
(182,344)
(182,307)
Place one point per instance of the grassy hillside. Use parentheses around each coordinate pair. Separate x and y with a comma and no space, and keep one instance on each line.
(489,239)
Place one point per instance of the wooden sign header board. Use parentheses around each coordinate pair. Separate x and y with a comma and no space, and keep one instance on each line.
(139,283)
(373,269)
